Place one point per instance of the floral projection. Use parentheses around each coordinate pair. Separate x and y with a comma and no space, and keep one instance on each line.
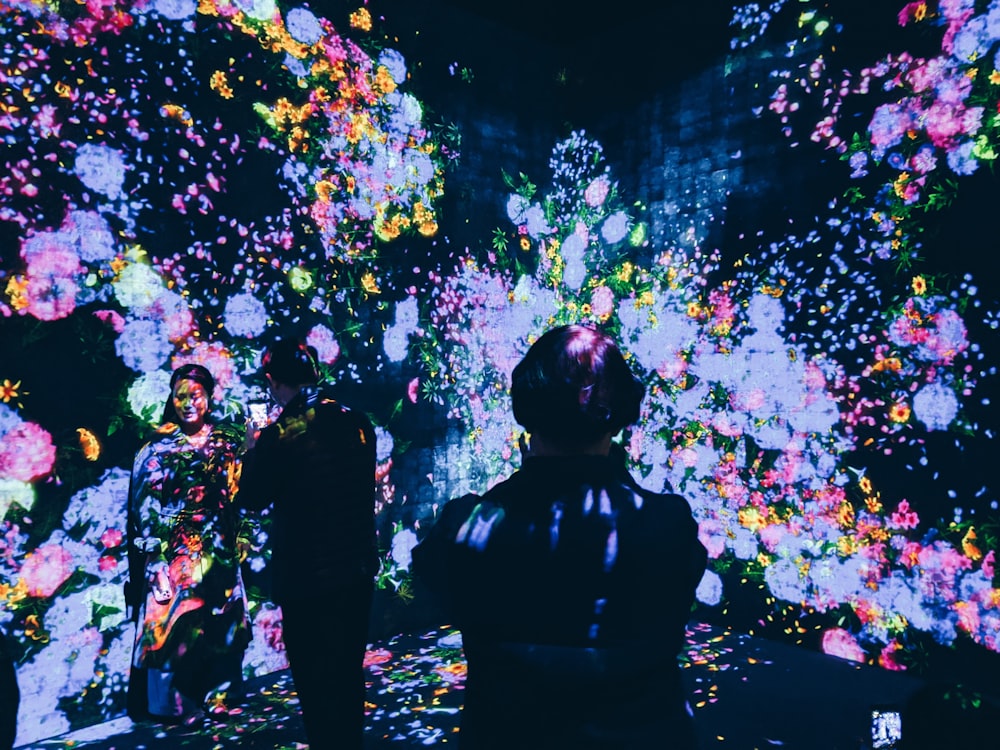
(181,180)
(178,179)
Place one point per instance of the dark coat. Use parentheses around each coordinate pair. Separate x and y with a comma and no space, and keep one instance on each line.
(316,464)
(572,587)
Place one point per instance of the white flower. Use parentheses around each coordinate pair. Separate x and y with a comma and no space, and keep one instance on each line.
(709,591)
(615,227)
(148,394)
(143,345)
(383,444)
(403,543)
(936,406)
(176,10)
(101,169)
(245,315)
(138,287)
(304,26)
(14,491)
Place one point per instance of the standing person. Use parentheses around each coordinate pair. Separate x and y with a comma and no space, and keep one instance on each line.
(571,584)
(10,695)
(315,466)
(185,588)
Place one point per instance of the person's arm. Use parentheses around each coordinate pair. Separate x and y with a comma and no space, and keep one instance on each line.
(259,476)
(435,559)
(135,584)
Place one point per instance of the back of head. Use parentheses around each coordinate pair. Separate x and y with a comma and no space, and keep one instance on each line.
(574,386)
(291,362)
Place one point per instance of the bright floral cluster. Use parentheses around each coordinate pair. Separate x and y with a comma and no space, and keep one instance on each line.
(753,429)
(934,120)
(193,175)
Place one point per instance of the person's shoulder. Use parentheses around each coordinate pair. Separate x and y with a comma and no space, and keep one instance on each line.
(666,501)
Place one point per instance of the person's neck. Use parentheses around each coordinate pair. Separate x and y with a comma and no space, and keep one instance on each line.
(545,447)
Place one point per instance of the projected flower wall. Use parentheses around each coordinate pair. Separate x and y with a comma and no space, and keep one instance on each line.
(190,177)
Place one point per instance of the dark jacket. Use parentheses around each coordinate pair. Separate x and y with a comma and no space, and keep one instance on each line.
(572,587)
(316,464)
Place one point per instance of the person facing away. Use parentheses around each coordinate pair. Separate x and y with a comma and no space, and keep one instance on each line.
(10,694)
(571,585)
(315,467)
(185,589)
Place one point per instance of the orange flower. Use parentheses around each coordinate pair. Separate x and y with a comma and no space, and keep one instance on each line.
(89,443)
(8,390)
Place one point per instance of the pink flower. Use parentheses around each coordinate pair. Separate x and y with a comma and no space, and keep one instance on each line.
(110,316)
(887,657)
(713,535)
(106,563)
(602,302)
(215,357)
(323,340)
(46,569)
(52,283)
(112,538)
(838,642)
(412,390)
(903,518)
(988,563)
(26,452)
(596,192)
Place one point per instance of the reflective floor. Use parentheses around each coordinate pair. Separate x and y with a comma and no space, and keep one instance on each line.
(745,693)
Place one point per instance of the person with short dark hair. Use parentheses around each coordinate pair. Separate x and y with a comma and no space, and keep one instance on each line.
(315,467)
(185,588)
(571,585)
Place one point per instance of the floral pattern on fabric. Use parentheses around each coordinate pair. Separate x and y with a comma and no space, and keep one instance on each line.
(183,528)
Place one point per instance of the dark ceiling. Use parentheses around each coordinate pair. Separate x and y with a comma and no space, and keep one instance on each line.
(667,32)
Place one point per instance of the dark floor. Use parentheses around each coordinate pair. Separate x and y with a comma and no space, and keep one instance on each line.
(746,693)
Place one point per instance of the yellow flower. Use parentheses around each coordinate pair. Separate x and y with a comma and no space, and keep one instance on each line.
(8,390)
(361,19)
(968,545)
(384,81)
(16,290)
(325,190)
(995,78)
(525,243)
(919,285)
(845,514)
(219,83)
(370,284)
(899,412)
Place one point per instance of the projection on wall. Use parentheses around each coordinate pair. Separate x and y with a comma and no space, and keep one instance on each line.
(182,180)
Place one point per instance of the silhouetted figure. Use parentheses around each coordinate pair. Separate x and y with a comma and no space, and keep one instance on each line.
(941,715)
(571,585)
(10,695)
(185,588)
(316,467)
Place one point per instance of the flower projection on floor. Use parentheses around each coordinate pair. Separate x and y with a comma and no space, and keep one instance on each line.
(182,179)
